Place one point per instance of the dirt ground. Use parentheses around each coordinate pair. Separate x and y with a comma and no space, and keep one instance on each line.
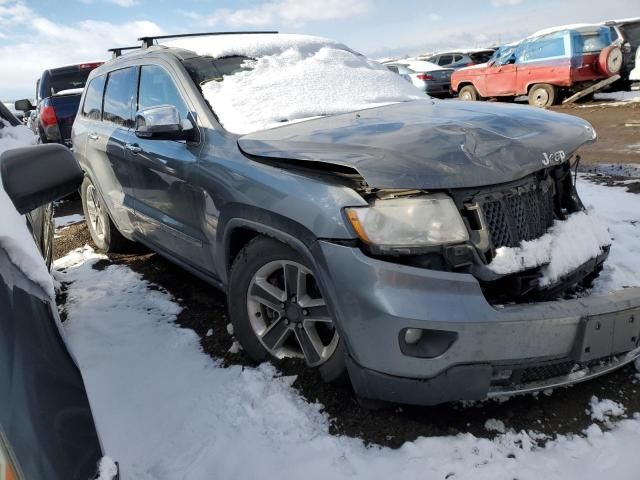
(563,411)
(618,129)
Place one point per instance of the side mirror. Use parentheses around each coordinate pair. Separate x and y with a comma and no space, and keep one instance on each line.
(162,123)
(35,176)
(23,105)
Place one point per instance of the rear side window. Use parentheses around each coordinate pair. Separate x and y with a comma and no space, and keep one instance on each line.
(445,60)
(158,88)
(118,97)
(457,58)
(551,46)
(92,107)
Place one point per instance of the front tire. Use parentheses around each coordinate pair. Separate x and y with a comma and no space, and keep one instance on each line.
(543,95)
(278,311)
(468,93)
(103,232)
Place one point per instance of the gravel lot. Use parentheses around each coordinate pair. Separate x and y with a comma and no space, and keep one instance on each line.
(563,411)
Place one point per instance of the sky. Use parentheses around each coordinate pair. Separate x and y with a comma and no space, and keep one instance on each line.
(39,34)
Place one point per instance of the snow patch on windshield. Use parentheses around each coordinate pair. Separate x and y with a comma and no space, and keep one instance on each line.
(296,78)
(567,245)
(14,234)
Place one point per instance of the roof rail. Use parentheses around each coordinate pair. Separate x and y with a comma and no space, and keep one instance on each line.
(117,52)
(148,41)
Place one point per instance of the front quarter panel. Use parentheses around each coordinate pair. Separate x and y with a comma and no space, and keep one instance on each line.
(238,187)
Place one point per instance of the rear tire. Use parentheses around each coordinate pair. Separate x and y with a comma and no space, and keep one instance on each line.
(542,95)
(262,262)
(103,232)
(468,93)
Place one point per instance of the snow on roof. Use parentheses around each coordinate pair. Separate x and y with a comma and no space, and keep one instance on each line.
(579,27)
(14,234)
(418,65)
(294,78)
(458,50)
(624,20)
(254,45)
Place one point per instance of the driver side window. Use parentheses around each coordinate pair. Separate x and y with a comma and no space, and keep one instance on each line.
(158,88)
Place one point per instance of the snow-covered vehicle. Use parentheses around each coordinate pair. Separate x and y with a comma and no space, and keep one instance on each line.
(427,76)
(46,424)
(431,249)
(547,66)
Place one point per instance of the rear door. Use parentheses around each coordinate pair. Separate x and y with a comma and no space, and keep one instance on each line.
(169,205)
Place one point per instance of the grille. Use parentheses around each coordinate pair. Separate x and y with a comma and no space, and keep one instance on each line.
(523,214)
(543,372)
(537,373)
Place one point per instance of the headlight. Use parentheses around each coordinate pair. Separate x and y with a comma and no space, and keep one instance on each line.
(409,222)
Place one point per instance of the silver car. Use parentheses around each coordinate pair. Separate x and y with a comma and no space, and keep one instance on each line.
(428,77)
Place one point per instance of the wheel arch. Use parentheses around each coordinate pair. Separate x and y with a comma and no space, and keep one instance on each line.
(239,224)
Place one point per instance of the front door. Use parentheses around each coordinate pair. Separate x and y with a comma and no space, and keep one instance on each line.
(101,134)
(168,205)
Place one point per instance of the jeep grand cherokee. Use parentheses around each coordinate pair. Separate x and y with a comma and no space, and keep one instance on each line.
(354,222)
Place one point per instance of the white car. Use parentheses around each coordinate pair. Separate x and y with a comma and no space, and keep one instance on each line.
(427,76)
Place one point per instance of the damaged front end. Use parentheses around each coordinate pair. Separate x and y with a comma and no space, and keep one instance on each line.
(500,218)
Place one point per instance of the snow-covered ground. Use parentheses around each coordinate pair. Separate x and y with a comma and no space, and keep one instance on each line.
(613,99)
(166,410)
(68,220)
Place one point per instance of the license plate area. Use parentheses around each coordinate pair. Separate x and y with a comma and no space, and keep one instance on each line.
(608,334)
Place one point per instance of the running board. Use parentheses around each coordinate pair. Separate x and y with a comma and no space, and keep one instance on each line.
(592,89)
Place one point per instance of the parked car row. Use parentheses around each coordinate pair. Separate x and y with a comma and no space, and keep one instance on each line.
(546,66)
(552,65)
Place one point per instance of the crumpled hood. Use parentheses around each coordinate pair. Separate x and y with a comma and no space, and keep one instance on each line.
(430,144)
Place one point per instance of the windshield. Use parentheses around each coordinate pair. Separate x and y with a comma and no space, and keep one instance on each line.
(302,80)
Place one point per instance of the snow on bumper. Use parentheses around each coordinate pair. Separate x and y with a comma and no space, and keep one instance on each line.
(567,245)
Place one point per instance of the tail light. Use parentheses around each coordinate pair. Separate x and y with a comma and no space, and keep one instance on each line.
(49,121)
(84,66)
(48,115)
(424,76)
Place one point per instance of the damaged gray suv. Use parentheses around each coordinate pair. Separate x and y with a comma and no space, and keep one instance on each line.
(413,244)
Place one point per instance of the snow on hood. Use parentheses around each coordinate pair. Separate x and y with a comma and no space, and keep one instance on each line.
(15,237)
(294,78)
(567,245)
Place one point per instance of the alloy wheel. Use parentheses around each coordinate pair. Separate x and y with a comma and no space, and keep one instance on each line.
(288,313)
(95,213)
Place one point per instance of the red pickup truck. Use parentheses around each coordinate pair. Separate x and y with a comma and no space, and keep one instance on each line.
(545,66)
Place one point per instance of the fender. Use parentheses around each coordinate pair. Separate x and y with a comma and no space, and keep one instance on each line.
(281,229)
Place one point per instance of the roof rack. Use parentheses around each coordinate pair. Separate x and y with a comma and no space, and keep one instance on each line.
(117,52)
(148,41)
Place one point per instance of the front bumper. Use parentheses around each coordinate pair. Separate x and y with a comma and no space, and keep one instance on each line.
(374,301)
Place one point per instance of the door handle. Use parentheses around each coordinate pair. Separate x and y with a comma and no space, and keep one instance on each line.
(93,136)
(133,148)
